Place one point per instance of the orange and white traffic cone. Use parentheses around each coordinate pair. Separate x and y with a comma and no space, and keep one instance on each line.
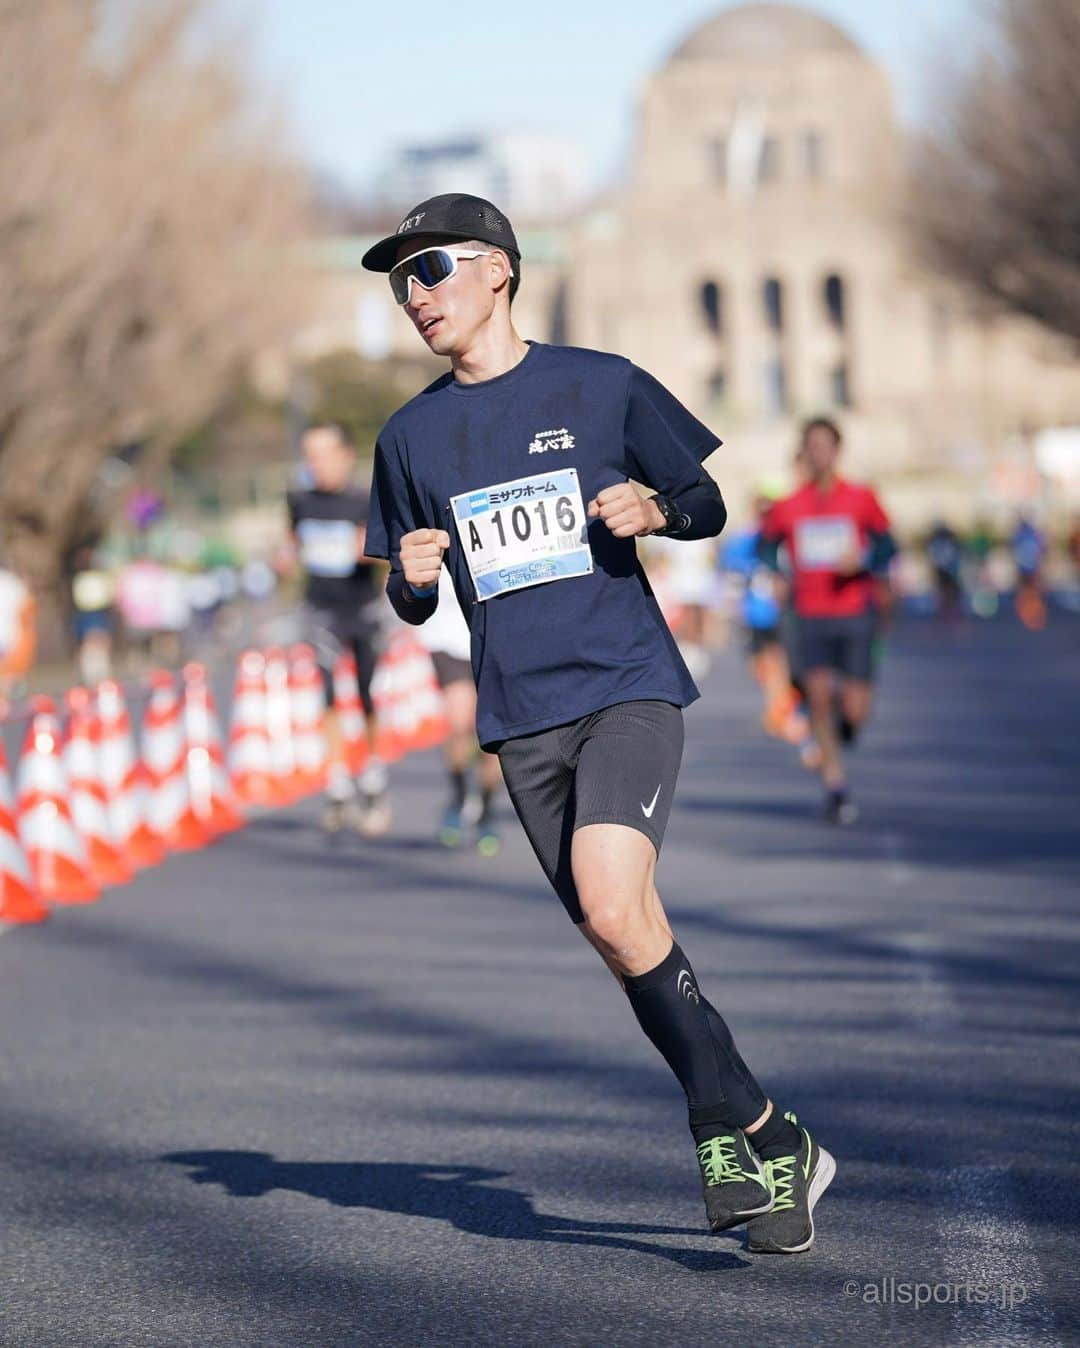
(171,812)
(53,847)
(89,803)
(125,780)
(211,793)
(279,726)
(352,724)
(249,747)
(426,698)
(19,903)
(307,705)
(386,695)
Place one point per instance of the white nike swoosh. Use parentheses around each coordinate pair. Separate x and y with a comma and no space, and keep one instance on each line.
(652,804)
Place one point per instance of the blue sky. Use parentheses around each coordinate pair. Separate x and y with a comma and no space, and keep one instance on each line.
(360,76)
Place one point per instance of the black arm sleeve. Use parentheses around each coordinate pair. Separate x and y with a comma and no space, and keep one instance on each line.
(768,552)
(703,505)
(882,551)
(410,608)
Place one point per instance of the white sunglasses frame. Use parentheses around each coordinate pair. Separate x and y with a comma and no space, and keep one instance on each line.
(462,254)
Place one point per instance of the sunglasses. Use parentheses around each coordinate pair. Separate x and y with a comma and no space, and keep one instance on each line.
(428,268)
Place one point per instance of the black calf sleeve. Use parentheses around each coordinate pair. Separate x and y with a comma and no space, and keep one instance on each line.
(745,1097)
(696,1044)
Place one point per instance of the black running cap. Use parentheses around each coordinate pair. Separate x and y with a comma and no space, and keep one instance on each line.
(455,215)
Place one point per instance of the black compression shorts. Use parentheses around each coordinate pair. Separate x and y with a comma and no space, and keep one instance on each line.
(331,635)
(614,766)
(845,645)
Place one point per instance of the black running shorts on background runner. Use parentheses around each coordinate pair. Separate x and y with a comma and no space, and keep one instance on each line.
(450,669)
(331,634)
(614,766)
(843,644)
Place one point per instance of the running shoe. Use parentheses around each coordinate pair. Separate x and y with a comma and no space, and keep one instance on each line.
(734,1180)
(796,1183)
(452,827)
(375,816)
(333,816)
(839,807)
(487,838)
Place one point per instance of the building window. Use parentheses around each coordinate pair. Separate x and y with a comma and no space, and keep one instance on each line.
(717,386)
(716,151)
(775,387)
(772,302)
(712,305)
(769,160)
(835,300)
(813,154)
(839,386)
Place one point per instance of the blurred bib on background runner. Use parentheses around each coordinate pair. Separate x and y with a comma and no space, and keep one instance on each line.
(524,532)
(328,547)
(823,543)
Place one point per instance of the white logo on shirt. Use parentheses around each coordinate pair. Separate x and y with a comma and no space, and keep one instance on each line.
(542,441)
(648,813)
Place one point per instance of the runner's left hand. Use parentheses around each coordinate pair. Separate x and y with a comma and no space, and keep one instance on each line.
(625,513)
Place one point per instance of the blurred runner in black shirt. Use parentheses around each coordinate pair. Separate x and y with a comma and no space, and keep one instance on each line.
(341,598)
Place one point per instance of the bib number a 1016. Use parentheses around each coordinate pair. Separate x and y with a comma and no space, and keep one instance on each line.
(526,532)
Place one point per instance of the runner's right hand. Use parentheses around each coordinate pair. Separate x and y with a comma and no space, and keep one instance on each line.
(421,556)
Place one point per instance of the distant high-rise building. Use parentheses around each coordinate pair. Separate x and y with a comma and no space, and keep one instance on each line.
(530,175)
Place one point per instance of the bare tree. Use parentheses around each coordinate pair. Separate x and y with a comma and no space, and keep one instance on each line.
(997,185)
(147,235)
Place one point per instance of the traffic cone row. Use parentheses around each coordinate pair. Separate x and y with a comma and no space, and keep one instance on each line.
(88,810)
(91,805)
(408,703)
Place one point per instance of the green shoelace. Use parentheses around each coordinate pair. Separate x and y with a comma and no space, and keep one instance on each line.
(781,1176)
(719,1163)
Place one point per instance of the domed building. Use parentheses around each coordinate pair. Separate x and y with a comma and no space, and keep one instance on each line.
(757,262)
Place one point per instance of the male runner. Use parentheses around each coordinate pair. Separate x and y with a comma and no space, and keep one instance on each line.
(447,638)
(837,540)
(514,470)
(329,521)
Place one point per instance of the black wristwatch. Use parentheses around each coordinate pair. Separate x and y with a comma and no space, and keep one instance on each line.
(675,522)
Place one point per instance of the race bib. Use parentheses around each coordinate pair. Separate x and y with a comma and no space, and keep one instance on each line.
(525,532)
(821,544)
(327,547)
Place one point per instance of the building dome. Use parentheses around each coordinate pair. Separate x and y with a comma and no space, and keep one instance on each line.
(763,30)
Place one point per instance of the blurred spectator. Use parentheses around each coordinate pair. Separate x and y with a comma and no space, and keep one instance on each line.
(93,593)
(1072,547)
(694,588)
(1029,553)
(154,605)
(18,634)
(946,555)
(763,593)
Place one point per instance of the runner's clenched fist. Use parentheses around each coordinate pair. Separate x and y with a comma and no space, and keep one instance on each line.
(422,555)
(625,513)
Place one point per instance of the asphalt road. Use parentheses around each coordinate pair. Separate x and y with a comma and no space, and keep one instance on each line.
(291,1092)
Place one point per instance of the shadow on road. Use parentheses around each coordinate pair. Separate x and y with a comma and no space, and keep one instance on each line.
(458,1194)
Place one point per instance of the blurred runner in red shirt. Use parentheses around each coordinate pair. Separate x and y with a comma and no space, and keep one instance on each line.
(836,538)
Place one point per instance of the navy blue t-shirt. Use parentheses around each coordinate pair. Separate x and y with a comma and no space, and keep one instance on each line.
(549,653)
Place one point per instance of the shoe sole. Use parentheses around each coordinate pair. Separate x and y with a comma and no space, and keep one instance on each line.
(823,1176)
